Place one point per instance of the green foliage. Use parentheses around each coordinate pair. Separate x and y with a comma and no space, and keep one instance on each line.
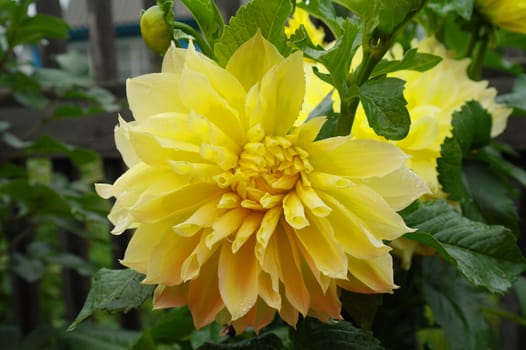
(412,60)
(114,290)
(311,334)
(384,104)
(324,10)
(208,17)
(381,19)
(487,256)
(456,306)
(268,16)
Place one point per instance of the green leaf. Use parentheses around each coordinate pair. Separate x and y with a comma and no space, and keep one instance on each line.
(269,16)
(456,306)
(463,8)
(35,199)
(33,29)
(488,256)
(268,341)
(492,155)
(324,10)
(384,104)
(114,290)
(173,326)
(208,17)
(338,58)
(471,130)
(29,268)
(48,145)
(73,262)
(492,195)
(383,16)
(412,60)
(311,334)
(90,336)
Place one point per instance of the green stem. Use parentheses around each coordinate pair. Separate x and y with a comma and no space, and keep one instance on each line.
(475,69)
(505,314)
(473,38)
(203,45)
(348,106)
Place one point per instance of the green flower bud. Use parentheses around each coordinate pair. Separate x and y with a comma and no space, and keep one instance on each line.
(155,32)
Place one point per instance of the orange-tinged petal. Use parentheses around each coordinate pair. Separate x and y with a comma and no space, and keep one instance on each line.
(238,279)
(290,272)
(204,300)
(144,240)
(258,317)
(376,274)
(267,292)
(165,297)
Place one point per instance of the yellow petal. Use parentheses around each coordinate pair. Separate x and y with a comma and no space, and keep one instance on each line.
(355,158)
(144,240)
(267,292)
(152,208)
(154,93)
(399,188)
(312,200)
(167,258)
(123,144)
(291,275)
(382,221)
(252,60)
(238,279)
(249,226)
(266,230)
(376,273)
(203,217)
(173,60)
(226,225)
(294,211)
(325,252)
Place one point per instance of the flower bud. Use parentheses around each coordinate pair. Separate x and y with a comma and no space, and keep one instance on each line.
(155,32)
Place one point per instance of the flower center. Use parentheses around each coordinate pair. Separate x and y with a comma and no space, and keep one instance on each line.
(266,172)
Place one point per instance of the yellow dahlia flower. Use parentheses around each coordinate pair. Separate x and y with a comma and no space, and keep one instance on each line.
(239,215)
(507,14)
(432,97)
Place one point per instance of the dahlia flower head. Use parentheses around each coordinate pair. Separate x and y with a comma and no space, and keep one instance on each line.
(238,214)
(507,14)
(432,98)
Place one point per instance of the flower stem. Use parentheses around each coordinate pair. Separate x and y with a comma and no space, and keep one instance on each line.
(203,45)
(348,106)
(475,69)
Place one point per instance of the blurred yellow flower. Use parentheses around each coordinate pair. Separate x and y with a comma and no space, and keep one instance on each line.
(236,213)
(300,18)
(432,97)
(507,14)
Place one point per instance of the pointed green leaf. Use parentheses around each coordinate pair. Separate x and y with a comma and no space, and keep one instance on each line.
(488,256)
(311,334)
(269,16)
(338,58)
(208,17)
(455,305)
(114,290)
(412,60)
(384,104)
(324,10)
(39,27)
